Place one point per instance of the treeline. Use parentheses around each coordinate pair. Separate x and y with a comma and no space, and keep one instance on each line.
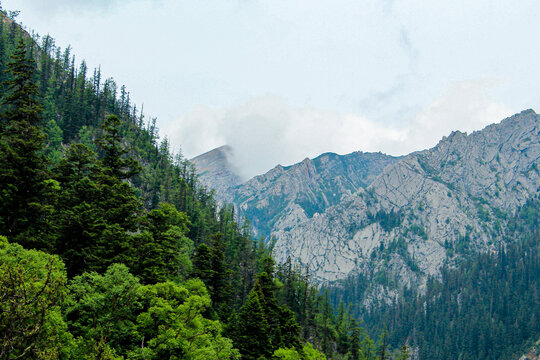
(487,307)
(113,250)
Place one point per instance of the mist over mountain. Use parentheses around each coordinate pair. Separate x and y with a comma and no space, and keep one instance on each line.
(437,229)
(336,213)
(217,171)
(112,246)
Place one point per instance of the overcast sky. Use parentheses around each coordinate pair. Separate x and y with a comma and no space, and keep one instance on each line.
(282,80)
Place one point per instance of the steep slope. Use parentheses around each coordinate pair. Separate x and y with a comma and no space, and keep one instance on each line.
(216,171)
(442,202)
(372,212)
(285,196)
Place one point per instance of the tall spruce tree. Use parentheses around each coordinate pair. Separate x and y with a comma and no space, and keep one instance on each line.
(23,168)
(209,265)
(98,211)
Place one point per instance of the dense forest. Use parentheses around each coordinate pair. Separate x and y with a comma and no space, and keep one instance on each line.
(486,307)
(110,248)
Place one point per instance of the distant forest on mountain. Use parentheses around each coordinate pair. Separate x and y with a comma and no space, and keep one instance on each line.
(110,248)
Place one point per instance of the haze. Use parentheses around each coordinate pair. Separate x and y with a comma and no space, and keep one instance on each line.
(283,80)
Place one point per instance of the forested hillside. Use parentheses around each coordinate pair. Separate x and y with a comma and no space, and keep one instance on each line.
(487,307)
(110,248)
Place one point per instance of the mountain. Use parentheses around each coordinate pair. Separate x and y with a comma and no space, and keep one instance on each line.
(404,216)
(285,196)
(216,171)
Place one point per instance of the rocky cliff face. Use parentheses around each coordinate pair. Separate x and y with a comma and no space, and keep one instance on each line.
(404,217)
(216,171)
(286,196)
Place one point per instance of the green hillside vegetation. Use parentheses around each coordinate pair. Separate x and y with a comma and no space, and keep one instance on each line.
(109,247)
(486,307)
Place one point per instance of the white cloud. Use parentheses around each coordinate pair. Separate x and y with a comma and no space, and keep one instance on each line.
(268,131)
(465,106)
(58,7)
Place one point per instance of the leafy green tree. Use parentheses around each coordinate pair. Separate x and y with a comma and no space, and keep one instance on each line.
(311,353)
(101,310)
(32,288)
(172,325)
(307,353)
(286,354)
(114,315)
(23,168)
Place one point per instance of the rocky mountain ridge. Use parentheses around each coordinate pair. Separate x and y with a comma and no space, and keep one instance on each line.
(357,213)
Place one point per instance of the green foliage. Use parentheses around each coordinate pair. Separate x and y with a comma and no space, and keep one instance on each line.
(388,221)
(23,187)
(163,249)
(311,353)
(114,313)
(101,307)
(480,315)
(171,325)
(115,162)
(211,268)
(418,230)
(53,142)
(306,353)
(32,288)
(95,213)
(263,326)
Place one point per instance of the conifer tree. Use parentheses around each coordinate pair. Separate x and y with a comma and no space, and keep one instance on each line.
(98,209)
(23,171)
(163,247)
(210,267)
(116,161)
(355,340)
(251,331)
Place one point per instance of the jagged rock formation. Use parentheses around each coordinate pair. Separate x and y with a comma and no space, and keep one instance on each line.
(285,196)
(216,171)
(406,216)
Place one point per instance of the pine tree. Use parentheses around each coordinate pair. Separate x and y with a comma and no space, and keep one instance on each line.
(355,340)
(164,248)
(210,267)
(116,163)
(251,331)
(23,171)
(98,210)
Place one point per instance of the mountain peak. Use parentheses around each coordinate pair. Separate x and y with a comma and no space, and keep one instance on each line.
(217,171)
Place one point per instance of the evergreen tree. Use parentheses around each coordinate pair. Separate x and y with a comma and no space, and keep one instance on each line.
(98,210)
(210,267)
(279,327)
(23,173)
(354,349)
(163,247)
(116,161)
(251,332)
